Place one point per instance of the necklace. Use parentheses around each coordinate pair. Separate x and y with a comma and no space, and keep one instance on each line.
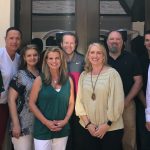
(94,85)
(55,81)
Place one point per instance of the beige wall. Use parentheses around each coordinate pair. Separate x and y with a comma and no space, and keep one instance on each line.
(6,18)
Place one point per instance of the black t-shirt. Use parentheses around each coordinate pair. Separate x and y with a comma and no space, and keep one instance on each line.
(128,66)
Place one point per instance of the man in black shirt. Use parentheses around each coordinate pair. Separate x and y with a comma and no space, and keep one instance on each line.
(128,67)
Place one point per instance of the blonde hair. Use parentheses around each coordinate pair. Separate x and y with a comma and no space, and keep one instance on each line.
(63,76)
(88,65)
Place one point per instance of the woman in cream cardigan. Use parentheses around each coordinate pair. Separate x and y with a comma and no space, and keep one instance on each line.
(100,103)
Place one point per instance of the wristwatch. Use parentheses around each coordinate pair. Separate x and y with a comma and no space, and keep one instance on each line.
(109,123)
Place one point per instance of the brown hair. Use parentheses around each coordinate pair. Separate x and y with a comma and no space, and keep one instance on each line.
(23,64)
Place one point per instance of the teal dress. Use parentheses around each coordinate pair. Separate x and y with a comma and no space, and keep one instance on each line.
(53,105)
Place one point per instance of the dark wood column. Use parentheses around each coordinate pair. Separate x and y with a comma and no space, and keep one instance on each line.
(23,18)
(147,16)
(87,22)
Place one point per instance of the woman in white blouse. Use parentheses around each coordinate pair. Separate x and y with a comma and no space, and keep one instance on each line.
(99,103)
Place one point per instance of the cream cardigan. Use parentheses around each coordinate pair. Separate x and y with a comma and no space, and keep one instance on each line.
(109,101)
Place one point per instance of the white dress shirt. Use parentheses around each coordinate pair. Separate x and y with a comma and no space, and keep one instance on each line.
(147,110)
(8,69)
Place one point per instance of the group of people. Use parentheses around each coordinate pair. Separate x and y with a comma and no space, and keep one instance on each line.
(71,102)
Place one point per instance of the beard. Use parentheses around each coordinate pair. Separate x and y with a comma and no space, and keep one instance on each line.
(113,49)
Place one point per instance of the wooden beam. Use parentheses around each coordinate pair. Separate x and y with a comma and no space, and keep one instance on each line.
(147,16)
(87,14)
(23,18)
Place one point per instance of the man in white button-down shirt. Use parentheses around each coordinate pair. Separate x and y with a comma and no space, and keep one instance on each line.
(9,61)
(147,110)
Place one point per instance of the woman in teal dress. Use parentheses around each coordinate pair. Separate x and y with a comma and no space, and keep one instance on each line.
(52,102)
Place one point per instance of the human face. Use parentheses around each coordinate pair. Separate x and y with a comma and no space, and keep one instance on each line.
(54,60)
(96,56)
(13,41)
(31,57)
(68,44)
(115,42)
(147,42)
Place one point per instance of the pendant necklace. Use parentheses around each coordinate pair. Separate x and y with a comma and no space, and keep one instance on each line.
(94,85)
(54,83)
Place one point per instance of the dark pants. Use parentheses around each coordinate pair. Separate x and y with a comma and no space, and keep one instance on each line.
(74,137)
(3,122)
(111,141)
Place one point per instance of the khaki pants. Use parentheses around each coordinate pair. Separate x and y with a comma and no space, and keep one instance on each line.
(129,118)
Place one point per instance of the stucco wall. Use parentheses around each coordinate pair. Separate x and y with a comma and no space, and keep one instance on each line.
(6,18)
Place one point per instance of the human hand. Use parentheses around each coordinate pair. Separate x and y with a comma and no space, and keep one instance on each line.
(126,103)
(92,129)
(53,126)
(60,123)
(16,131)
(148,126)
(101,130)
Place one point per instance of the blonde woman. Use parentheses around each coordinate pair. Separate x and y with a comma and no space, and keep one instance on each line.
(52,102)
(100,103)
